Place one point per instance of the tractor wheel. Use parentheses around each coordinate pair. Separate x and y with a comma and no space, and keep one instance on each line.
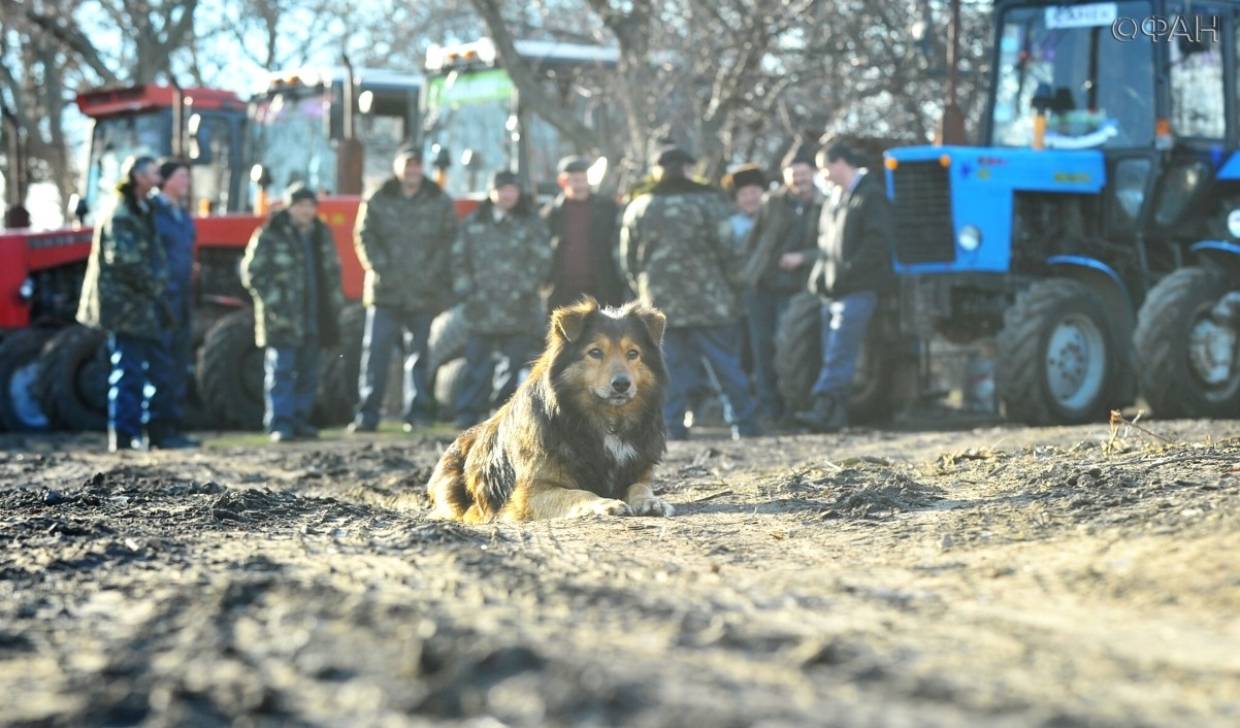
(1189,362)
(338,383)
(798,360)
(449,333)
(230,372)
(447,382)
(73,379)
(1059,359)
(20,410)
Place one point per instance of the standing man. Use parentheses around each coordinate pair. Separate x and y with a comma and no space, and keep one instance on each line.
(404,241)
(292,271)
(781,249)
(675,250)
(175,231)
(500,261)
(584,231)
(854,267)
(123,294)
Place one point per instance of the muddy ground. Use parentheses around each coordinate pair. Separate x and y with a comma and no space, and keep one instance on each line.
(992,577)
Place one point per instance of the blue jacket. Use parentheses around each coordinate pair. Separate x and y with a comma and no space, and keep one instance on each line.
(175,230)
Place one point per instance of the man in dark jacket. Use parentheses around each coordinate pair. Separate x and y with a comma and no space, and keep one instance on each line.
(584,231)
(293,272)
(854,266)
(500,261)
(780,250)
(675,248)
(404,241)
(123,294)
(175,230)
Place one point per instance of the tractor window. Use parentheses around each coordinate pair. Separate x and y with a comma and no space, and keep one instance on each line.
(212,170)
(470,114)
(382,136)
(290,136)
(1100,87)
(114,140)
(1197,107)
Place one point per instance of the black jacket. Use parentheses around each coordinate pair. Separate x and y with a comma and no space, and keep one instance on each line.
(854,242)
(609,286)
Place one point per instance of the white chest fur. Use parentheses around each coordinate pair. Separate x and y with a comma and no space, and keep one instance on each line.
(621,451)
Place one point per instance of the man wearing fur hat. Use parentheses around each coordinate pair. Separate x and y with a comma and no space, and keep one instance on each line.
(781,249)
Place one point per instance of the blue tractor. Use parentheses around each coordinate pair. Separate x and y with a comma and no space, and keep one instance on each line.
(1108,154)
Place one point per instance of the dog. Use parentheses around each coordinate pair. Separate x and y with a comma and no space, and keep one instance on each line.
(579,437)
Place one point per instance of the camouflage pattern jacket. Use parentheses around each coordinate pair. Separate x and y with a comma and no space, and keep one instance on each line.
(675,248)
(274,271)
(405,245)
(126,273)
(498,269)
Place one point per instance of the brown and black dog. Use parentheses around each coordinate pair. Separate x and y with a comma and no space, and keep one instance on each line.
(580,436)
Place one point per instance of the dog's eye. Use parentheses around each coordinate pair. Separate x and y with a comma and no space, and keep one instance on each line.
(632,354)
(595,353)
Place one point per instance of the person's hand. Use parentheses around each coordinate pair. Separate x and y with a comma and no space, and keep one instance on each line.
(791,261)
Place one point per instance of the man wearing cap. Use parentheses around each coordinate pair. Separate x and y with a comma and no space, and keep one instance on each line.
(780,251)
(123,294)
(293,273)
(674,245)
(500,261)
(584,230)
(853,267)
(404,241)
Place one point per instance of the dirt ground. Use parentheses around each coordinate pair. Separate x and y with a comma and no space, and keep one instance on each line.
(992,577)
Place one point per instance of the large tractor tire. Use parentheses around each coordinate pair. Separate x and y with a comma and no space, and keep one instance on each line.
(1061,360)
(337,396)
(20,410)
(798,360)
(73,379)
(1189,362)
(447,383)
(449,333)
(230,372)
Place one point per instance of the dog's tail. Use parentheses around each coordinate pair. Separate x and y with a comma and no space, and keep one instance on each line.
(446,487)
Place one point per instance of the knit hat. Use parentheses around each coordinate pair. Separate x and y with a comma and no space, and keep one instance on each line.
(297,192)
(671,155)
(504,178)
(572,164)
(409,150)
(744,176)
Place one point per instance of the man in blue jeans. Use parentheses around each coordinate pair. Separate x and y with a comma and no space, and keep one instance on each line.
(404,241)
(854,266)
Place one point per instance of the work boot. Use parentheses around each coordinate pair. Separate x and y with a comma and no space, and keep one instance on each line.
(281,437)
(306,431)
(357,427)
(824,415)
(118,441)
(169,438)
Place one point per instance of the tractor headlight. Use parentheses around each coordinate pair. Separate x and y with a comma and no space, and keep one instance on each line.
(1233,223)
(26,290)
(969,238)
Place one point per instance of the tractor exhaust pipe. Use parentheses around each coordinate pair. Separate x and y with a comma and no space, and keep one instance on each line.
(350,156)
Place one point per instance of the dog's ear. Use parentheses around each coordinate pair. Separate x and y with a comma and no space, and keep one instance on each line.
(654,320)
(568,322)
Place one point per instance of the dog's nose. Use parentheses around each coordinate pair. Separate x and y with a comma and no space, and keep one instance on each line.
(621,384)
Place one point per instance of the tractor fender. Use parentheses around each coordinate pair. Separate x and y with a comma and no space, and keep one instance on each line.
(1224,255)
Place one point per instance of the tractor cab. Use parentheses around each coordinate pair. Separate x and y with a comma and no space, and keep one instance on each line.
(475,122)
(203,125)
(299,126)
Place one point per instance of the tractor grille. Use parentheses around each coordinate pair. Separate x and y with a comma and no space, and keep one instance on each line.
(923,212)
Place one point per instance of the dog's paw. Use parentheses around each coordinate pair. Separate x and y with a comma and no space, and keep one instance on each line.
(651,507)
(600,507)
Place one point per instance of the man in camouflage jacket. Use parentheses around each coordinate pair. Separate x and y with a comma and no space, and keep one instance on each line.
(404,241)
(293,273)
(674,245)
(500,261)
(123,294)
